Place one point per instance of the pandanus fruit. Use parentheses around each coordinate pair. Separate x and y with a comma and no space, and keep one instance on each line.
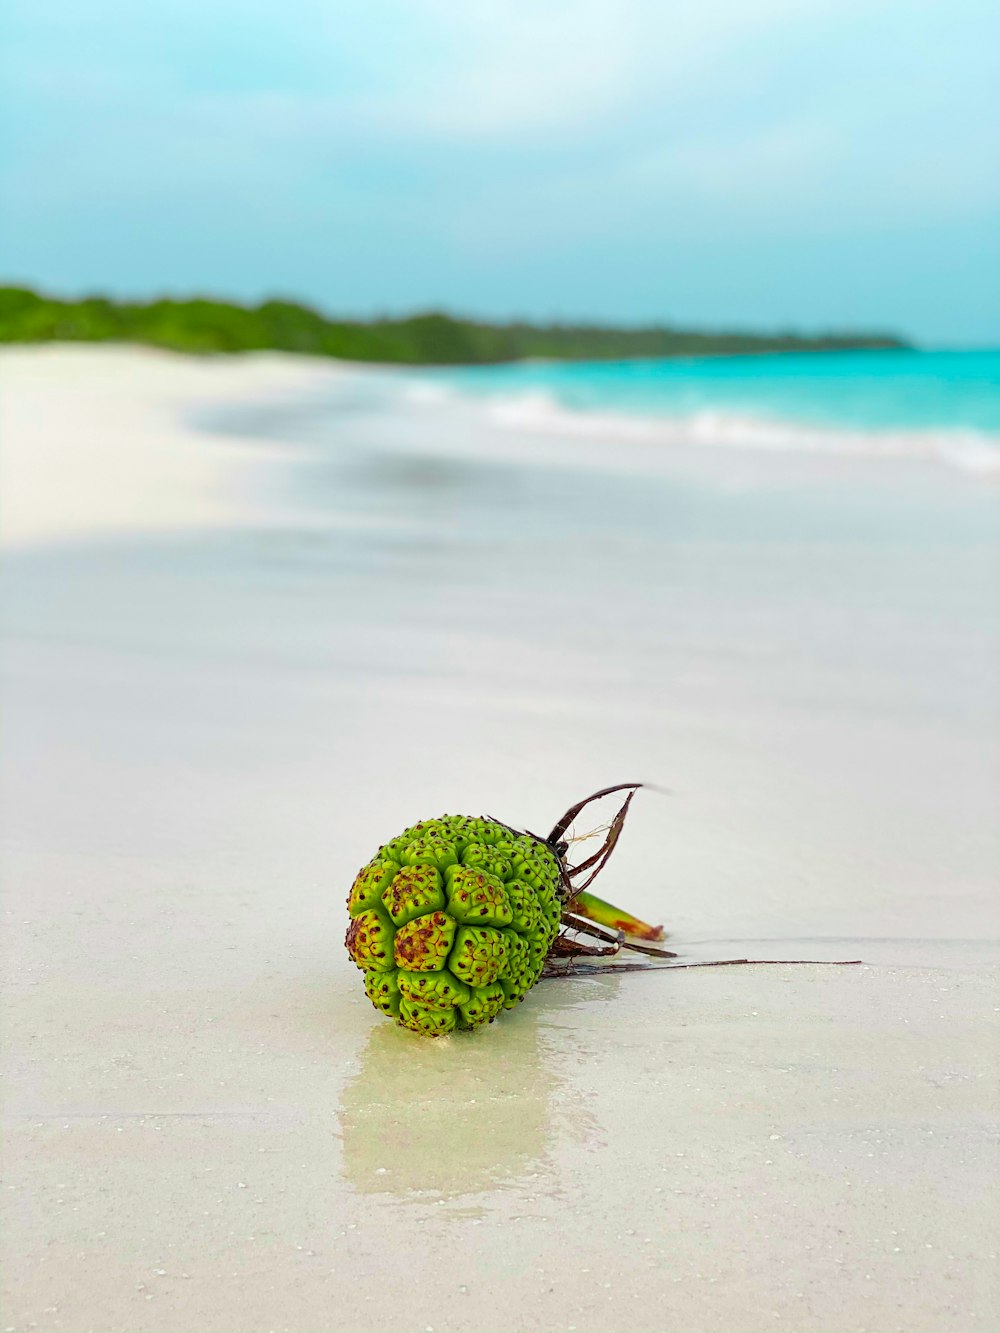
(457,918)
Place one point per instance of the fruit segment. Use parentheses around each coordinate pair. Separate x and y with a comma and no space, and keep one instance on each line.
(480,954)
(423,945)
(369,941)
(477,898)
(412,892)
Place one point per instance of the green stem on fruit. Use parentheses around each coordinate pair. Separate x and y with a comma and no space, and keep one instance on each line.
(615,918)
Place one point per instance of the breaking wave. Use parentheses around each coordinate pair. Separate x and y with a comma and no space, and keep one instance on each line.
(539,412)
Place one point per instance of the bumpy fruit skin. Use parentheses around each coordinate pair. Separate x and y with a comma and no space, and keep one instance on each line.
(451,922)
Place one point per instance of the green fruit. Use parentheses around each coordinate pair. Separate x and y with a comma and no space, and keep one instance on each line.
(451,922)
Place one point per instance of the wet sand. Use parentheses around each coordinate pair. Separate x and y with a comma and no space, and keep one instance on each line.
(351,618)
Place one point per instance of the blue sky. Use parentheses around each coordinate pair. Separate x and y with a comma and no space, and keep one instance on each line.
(808,163)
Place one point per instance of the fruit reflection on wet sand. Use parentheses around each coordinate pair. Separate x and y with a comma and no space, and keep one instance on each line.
(466,1113)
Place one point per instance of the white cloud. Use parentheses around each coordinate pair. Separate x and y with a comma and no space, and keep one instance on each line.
(496,69)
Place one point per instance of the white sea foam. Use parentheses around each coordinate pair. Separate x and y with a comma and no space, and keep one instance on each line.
(538,412)
(425,393)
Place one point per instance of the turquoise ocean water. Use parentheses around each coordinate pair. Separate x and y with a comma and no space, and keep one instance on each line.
(922,399)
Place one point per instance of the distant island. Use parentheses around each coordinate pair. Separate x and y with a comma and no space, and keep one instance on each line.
(204,326)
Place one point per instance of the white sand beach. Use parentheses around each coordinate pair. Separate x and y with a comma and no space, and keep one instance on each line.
(91,445)
(260,614)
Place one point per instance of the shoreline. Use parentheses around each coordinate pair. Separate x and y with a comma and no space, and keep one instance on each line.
(169,477)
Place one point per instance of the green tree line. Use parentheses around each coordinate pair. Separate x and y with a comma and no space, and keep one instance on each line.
(200,325)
